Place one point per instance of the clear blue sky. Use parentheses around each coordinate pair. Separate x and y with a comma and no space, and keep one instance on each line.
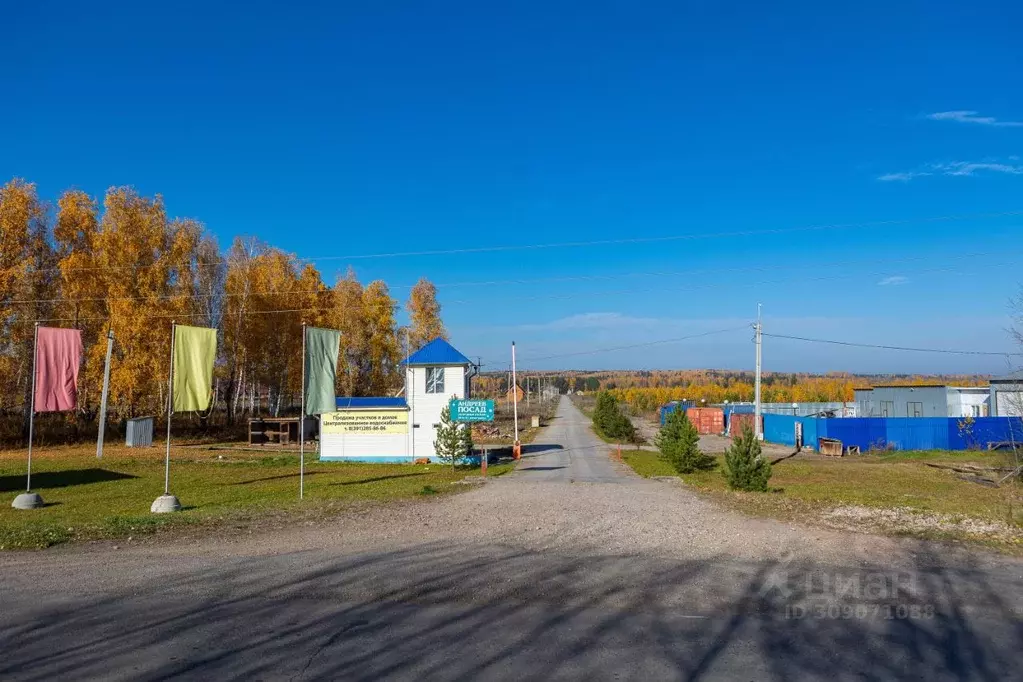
(343,129)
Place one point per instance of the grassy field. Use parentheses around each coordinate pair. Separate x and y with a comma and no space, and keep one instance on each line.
(91,499)
(896,492)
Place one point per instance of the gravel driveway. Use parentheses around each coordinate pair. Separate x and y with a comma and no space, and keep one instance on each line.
(569,568)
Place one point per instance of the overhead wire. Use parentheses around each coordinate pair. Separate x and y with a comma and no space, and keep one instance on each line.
(547,280)
(549,296)
(702,235)
(888,347)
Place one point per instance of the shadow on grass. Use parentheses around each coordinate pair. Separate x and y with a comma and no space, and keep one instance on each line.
(61,479)
(274,478)
(378,478)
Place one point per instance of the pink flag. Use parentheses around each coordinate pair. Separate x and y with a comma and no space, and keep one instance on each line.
(58,356)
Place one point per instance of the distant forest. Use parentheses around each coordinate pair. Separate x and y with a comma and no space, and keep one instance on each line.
(648,389)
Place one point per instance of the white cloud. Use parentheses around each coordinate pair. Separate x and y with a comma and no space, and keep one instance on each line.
(969,168)
(964,116)
(901,177)
(893,281)
(955,169)
(592,321)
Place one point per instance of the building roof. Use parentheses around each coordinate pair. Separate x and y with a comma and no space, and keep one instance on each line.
(912,386)
(438,352)
(345,402)
(1015,377)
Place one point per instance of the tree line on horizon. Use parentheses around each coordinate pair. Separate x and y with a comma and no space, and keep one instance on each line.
(647,390)
(130,269)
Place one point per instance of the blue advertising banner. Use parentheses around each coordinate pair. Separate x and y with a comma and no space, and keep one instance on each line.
(472,410)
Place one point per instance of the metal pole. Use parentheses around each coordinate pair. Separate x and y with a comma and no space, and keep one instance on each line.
(410,387)
(515,395)
(32,408)
(301,427)
(758,428)
(106,393)
(170,409)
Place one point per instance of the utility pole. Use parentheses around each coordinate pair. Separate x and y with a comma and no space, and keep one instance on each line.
(758,428)
(515,403)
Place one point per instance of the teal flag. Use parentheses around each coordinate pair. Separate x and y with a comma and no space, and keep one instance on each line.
(195,348)
(321,349)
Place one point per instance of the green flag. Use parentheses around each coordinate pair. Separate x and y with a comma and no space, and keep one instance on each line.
(321,349)
(194,351)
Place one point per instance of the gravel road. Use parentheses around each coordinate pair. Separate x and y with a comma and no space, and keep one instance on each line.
(570,568)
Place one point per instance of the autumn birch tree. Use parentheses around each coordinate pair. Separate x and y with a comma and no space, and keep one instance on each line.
(425,323)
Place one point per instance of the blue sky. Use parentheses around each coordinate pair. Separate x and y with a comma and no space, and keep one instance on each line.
(357,129)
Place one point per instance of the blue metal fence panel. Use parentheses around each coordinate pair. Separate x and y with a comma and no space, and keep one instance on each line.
(985,430)
(810,431)
(861,431)
(902,433)
(917,433)
(672,406)
(780,428)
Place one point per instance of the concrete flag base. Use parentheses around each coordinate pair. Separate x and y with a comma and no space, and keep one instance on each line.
(27,501)
(164,504)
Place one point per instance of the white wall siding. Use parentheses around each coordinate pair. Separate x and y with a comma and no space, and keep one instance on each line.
(426,407)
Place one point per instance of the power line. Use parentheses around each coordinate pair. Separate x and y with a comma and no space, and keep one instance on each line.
(550,297)
(885,347)
(536,280)
(607,242)
(635,345)
(668,238)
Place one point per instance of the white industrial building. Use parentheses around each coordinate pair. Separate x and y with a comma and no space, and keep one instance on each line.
(923,401)
(1006,395)
(399,429)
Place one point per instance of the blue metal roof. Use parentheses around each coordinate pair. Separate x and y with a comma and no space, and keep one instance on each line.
(344,402)
(438,352)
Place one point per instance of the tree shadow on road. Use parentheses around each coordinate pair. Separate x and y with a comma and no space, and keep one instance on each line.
(463,612)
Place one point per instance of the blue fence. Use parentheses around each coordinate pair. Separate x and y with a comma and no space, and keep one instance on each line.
(781,428)
(672,406)
(901,433)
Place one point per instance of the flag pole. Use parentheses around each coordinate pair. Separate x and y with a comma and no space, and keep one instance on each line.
(106,394)
(301,428)
(167,502)
(29,499)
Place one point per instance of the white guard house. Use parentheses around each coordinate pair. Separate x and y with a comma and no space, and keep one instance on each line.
(393,429)
(434,375)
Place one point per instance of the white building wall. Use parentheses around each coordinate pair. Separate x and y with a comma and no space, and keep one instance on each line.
(426,407)
(968,402)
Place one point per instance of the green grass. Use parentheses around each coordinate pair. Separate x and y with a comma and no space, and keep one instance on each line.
(802,488)
(89,499)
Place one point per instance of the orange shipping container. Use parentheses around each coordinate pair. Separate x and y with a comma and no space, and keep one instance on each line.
(737,421)
(707,419)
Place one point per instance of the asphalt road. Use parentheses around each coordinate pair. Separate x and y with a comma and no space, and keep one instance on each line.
(568,451)
(578,572)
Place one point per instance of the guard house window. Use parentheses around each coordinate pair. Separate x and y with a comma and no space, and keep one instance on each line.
(914,409)
(887,408)
(434,379)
